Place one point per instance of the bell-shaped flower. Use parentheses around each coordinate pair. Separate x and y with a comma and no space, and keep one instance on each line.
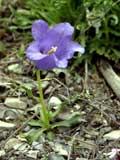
(52,46)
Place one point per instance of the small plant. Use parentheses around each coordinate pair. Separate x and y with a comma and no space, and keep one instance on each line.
(53,47)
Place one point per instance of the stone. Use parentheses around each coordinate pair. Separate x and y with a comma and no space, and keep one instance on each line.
(6,125)
(113,135)
(11,143)
(55,102)
(32,154)
(15,103)
(2,152)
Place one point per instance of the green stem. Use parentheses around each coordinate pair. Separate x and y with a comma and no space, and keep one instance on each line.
(44,111)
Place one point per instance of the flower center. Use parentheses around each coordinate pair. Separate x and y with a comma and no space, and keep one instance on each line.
(52,50)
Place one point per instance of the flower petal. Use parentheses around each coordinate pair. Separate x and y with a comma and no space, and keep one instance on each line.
(39,29)
(65,29)
(67,48)
(51,39)
(33,52)
(46,63)
(61,63)
(74,47)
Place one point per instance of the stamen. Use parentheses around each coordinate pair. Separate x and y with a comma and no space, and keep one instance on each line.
(52,50)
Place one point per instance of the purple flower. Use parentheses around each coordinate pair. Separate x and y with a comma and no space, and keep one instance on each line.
(52,46)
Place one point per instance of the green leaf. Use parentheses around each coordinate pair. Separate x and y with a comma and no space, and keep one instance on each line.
(50,136)
(21,52)
(34,135)
(36,123)
(29,92)
(2,47)
(74,119)
(60,124)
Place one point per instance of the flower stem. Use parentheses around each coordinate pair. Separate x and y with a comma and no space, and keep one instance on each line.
(44,111)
